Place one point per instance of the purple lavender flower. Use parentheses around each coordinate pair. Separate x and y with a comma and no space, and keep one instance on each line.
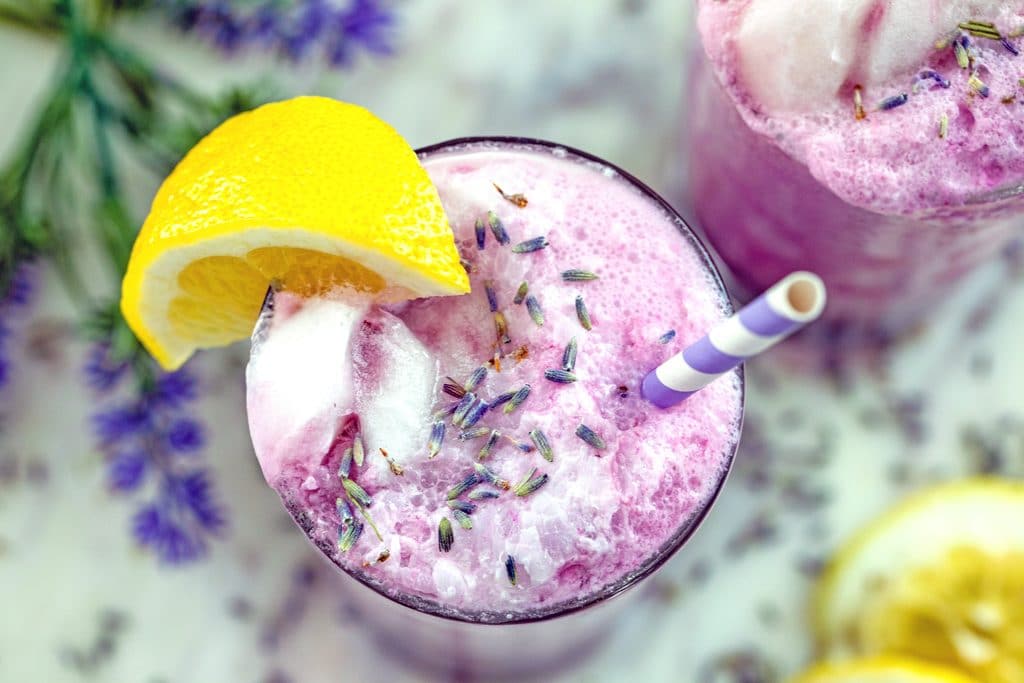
(185,436)
(146,437)
(296,30)
(156,530)
(18,295)
(365,23)
(125,471)
(102,372)
(119,423)
(174,389)
(195,493)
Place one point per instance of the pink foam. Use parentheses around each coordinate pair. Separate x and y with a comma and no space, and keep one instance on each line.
(603,514)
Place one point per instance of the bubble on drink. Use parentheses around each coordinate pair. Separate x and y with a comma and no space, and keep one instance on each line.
(452,505)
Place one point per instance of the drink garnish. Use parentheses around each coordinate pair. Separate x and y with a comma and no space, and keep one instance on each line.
(476,411)
(346,463)
(464,520)
(542,444)
(481,234)
(492,296)
(476,378)
(488,475)
(517,399)
(536,313)
(356,493)
(466,507)
(501,328)
(445,537)
(591,437)
(395,468)
(437,431)
(929,78)
(893,102)
(577,275)
(963,58)
(468,482)
(977,85)
(560,376)
(524,287)
(981,29)
(510,569)
(530,483)
(453,388)
(583,314)
(531,245)
(569,356)
(498,228)
(476,433)
(358,452)
(518,198)
(485,452)
(348,535)
(462,407)
(858,104)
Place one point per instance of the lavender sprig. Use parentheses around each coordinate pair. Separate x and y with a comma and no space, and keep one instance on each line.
(295,31)
(152,436)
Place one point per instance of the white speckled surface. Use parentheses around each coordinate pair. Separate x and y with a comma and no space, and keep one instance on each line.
(79,603)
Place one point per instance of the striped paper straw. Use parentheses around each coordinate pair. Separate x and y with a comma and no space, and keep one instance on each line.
(791,303)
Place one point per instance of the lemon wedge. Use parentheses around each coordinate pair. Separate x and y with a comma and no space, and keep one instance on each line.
(308,195)
(881,670)
(939,578)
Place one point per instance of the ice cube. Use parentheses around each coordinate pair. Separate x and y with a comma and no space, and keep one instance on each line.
(299,378)
(395,378)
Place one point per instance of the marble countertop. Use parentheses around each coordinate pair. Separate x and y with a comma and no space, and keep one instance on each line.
(821,454)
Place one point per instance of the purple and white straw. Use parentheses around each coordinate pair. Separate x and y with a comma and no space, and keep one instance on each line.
(790,304)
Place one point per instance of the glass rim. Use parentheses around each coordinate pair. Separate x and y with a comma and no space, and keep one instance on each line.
(669,548)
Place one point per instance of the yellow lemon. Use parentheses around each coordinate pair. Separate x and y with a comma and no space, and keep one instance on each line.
(939,578)
(881,670)
(306,195)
